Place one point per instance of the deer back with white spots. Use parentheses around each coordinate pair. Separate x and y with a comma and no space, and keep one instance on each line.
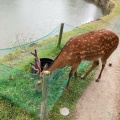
(89,46)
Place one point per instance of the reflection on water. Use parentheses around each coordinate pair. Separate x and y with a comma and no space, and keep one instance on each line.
(37,18)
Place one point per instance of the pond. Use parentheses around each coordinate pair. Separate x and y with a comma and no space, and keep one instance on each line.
(35,18)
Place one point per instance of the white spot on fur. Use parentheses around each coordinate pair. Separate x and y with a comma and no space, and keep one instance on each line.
(83,52)
(65,53)
(102,52)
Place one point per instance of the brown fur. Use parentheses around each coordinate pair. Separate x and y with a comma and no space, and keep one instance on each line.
(89,46)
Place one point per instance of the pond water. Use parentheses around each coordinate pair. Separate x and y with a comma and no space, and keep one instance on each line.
(35,18)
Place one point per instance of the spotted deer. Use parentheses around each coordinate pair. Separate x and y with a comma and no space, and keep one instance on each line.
(98,44)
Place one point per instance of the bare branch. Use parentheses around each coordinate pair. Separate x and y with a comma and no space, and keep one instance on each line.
(37,64)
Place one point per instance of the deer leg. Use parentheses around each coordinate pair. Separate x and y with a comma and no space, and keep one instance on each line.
(103,65)
(72,72)
(97,80)
(94,65)
(75,74)
(104,60)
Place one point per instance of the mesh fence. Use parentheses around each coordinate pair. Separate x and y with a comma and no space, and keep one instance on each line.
(18,81)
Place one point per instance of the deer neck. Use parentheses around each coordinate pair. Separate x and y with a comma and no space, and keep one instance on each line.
(56,64)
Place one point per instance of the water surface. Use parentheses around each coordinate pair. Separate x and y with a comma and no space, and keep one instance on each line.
(32,19)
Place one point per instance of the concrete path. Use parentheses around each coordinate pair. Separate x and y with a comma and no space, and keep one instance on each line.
(101,101)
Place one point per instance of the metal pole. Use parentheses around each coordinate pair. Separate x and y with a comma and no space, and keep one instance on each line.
(45,83)
(60,35)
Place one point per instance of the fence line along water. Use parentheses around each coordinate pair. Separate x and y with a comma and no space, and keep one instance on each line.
(54,32)
(18,81)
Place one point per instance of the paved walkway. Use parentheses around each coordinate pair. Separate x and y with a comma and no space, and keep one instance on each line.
(101,101)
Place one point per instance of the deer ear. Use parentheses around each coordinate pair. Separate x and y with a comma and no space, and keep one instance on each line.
(45,67)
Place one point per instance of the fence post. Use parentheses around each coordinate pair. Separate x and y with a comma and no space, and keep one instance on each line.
(60,35)
(45,83)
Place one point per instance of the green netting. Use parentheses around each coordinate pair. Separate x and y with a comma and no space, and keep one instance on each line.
(19,86)
(20,46)
(18,82)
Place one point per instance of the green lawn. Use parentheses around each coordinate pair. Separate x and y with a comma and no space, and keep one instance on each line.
(11,111)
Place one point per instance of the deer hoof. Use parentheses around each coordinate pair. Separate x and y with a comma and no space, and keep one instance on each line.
(82,77)
(97,80)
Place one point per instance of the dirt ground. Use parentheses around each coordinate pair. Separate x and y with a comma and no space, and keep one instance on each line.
(101,100)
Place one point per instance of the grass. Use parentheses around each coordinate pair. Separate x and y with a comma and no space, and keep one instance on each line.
(104,21)
(16,88)
(10,110)
(69,99)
